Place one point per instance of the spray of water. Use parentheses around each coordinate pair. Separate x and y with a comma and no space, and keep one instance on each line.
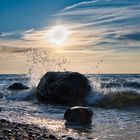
(95,79)
(39,62)
(99,85)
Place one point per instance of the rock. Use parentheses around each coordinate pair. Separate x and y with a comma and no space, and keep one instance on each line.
(2,120)
(8,131)
(78,115)
(1,95)
(52,137)
(69,88)
(18,86)
(70,138)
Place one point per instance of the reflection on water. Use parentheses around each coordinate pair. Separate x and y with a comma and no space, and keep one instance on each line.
(106,124)
(109,124)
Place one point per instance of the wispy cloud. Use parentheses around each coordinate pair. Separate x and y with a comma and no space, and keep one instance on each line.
(11,35)
(9,49)
(6,34)
(15,42)
(97,28)
(94,25)
(114,23)
(79,4)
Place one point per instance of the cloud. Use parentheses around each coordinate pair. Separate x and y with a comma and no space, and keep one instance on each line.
(9,49)
(98,28)
(29,31)
(11,35)
(104,23)
(94,25)
(5,34)
(130,36)
(16,42)
(79,4)
(18,34)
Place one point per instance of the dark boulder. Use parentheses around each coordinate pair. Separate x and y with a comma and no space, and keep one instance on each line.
(18,86)
(1,95)
(78,115)
(69,88)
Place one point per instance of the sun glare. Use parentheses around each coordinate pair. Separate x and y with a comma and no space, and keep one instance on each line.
(58,35)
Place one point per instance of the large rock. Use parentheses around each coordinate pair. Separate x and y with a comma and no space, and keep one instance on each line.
(69,88)
(78,115)
(18,86)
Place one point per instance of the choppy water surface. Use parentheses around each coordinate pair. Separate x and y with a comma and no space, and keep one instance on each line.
(22,106)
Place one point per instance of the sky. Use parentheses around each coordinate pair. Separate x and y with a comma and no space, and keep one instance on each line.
(103,35)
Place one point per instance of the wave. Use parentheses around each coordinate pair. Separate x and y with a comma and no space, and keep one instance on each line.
(115,99)
(114,90)
(123,84)
(21,95)
(109,91)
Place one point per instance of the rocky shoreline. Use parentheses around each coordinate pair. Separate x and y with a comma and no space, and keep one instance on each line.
(17,131)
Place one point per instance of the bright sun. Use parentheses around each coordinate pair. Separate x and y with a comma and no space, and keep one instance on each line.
(58,35)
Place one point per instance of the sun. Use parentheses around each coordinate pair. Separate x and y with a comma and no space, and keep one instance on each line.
(58,35)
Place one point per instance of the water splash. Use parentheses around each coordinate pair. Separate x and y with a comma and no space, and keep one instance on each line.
(39,62)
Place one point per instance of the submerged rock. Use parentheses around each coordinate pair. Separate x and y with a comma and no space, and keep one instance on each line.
(18,86)
(69,88)
(78,115)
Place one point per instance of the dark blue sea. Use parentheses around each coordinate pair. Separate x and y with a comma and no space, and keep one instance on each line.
(109,123)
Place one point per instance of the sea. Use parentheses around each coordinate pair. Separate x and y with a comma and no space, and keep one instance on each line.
(107,123)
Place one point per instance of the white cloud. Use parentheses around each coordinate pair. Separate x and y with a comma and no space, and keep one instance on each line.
(79,4)
(28,31)
(111,18)
(5,34)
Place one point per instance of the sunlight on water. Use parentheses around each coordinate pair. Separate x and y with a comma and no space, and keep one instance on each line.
(106,124)
(23,106)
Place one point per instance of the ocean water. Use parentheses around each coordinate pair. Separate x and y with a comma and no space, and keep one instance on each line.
(107,124)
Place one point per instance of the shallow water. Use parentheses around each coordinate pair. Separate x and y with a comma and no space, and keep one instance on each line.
(112,124)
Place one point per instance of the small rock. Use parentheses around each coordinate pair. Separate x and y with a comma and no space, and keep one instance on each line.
(79,115)
(18,86)
(70,138)
(3,121)
(52,137)
(44,136)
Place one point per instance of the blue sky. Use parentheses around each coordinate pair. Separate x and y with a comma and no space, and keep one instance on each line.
(107,30)
(25,14)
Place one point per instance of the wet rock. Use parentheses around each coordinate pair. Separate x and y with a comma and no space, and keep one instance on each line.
(1,95)
(52,137)
(69,88)
(78,115)
(9,131)
(70,138)
(18,86)
(3,121)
